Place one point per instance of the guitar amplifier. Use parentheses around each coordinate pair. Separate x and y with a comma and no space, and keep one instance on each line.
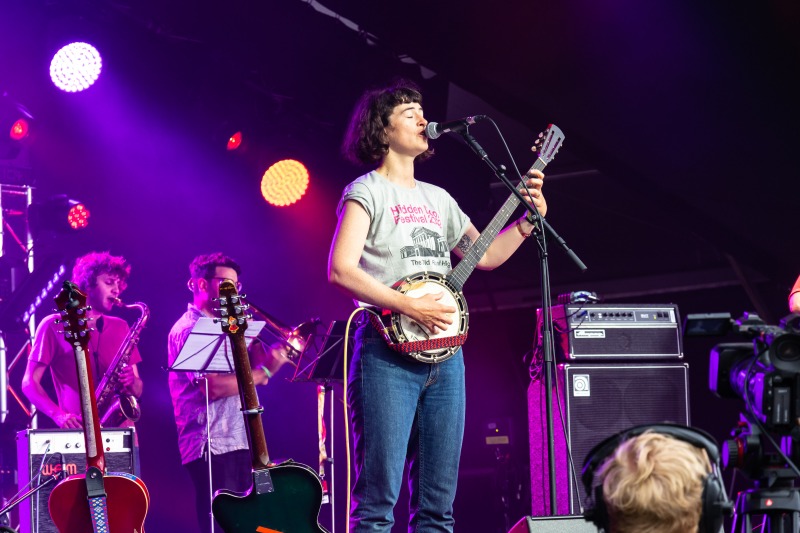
(594,332)
(49,451)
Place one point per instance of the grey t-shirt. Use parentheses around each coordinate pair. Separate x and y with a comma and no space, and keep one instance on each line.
(411,230)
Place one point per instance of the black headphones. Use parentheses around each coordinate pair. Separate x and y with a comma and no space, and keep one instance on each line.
(716,504)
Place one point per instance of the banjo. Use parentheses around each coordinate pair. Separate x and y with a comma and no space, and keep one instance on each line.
(413,340)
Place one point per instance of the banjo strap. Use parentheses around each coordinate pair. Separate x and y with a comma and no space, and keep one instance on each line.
(416,346)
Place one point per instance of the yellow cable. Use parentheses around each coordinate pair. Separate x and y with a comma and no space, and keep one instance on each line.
(346,412)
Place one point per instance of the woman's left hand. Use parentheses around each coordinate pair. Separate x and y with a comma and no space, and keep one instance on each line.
(534,182)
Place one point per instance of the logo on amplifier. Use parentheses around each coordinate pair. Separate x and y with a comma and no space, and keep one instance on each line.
(580,385)
(590,333)
(51,470)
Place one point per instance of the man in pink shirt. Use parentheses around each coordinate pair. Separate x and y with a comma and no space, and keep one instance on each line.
(102,277)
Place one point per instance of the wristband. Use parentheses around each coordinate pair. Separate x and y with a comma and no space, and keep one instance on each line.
(520,230)
(266,371)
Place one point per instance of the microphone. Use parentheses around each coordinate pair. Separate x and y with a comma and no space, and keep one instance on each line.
(434,130)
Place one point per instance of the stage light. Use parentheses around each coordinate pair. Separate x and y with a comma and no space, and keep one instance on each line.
(37,288)
(235,141)
(19,130)
(58,213)
(78,216)
(284,183)
(75,67)
(16,120)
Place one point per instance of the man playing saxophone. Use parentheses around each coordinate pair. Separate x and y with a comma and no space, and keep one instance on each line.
(103,277)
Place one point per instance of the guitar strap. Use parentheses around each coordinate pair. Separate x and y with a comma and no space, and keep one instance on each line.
(416,346)
(99,511)
(96,493)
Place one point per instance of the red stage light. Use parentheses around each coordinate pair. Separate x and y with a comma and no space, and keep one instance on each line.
(284,183)
(19,130)
(78,216)
(235,141)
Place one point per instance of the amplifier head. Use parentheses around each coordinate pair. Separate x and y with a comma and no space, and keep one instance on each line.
(594,332)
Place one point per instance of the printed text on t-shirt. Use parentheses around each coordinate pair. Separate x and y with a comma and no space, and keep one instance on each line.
(414,214)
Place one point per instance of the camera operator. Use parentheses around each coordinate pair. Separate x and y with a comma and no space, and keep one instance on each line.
(794,297)
(657,479)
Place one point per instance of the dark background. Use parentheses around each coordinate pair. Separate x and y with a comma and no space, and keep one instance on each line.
(676,183)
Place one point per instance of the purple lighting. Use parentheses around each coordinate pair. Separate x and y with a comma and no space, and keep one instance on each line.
(75,67)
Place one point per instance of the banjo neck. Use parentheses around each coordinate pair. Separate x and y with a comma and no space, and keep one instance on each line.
(458,275)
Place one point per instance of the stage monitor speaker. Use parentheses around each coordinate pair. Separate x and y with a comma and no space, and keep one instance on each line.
(50,450)
(596,401)
(553,524)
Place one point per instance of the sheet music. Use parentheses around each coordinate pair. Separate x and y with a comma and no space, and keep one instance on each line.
(208,349)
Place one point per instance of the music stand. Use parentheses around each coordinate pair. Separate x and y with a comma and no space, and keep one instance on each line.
(324,367)
(208,350)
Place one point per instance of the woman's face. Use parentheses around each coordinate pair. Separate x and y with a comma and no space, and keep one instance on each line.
(405,133)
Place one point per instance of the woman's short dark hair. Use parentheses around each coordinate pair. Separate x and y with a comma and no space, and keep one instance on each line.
(365,140)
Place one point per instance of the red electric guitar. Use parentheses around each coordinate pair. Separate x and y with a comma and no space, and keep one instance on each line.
(97,501)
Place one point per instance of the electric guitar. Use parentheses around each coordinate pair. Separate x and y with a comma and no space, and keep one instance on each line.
(412,339)
(284,498)
(97,501)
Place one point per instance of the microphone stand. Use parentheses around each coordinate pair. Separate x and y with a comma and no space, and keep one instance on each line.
(547,317)
(19,499)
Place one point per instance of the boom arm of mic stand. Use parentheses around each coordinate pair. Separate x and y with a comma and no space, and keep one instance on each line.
(547,318)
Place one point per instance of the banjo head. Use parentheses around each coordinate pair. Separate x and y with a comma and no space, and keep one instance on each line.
(408,330)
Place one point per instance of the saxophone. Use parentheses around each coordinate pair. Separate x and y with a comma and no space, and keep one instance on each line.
(114,405)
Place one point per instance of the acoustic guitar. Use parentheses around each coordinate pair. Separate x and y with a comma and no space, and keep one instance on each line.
(283,498)
(96,501)
(413,340)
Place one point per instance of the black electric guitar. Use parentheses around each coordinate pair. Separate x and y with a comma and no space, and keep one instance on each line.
(284,498)
(414,340)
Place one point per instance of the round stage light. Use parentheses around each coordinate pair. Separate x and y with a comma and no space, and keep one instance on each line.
(19,130)
(284,183)
(75,67)
(235,141)
(78,216)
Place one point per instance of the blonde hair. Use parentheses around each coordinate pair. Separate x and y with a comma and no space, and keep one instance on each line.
(653,483)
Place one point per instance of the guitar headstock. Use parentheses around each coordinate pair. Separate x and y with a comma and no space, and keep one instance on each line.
(548,143)
(71,304)
(232,309)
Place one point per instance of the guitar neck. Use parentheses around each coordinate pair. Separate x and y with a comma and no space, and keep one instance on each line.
(458,276)
(259,455)
(91,422)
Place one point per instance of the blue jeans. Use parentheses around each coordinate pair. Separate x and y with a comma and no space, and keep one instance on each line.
(403,410)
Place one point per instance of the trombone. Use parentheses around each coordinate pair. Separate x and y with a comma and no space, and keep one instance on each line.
(295,339)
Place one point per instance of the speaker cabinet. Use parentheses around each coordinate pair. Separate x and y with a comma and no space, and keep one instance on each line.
(49,451)
(553,524)
(592,402)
